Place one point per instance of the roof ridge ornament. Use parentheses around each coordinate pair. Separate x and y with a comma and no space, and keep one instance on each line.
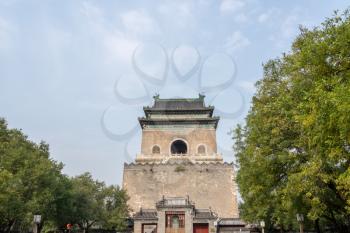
(156,96)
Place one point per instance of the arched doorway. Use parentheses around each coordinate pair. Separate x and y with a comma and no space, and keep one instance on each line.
(178,147)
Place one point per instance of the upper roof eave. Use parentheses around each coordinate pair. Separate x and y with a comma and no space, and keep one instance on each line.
(147,108)
(215,118)
(209,109)
(143,120)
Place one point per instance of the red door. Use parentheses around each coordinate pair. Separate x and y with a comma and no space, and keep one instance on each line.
(200,228)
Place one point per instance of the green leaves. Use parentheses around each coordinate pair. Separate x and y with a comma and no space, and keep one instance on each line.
(32,183)
(28,179)
(95,204)
(115,208)
(294,151)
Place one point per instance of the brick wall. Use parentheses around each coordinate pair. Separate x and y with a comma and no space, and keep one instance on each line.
(207,185)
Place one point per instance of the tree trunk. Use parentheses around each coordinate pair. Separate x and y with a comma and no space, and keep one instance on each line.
(40,226)
(317,226)
(9,226)
(81,226)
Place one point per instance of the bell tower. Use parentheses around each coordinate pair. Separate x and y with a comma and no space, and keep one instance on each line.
(179,166)
(178,129)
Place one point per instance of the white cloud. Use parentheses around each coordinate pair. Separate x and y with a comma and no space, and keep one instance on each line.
(58,42)
(6,32)
(57,38)
(177,14)
(289,25)
(247,85)
(271,17)
(8,2)
(236,41)
(231,5)
(237,10)
(204,3)
(138,22)
(119,46)
(286,30)
(185,58)
(176,8)
(263,17)
(91,11)
(284,26)
(241,18)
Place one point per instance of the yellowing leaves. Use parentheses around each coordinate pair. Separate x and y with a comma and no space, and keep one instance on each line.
(294,151)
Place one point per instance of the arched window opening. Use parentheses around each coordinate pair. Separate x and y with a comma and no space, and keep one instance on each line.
(201,149)
(156,150)
(178,147)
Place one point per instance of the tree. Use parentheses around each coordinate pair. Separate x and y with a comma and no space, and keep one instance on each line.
(88,201)
(28,180)
(116,208)
(98,205)
(32,183)
(61,212)
(294,150)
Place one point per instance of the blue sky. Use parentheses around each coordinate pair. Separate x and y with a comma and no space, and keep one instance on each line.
(77,73)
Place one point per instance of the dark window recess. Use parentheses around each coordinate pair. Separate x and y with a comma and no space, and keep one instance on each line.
(156,150)
(201,149)
(178,147)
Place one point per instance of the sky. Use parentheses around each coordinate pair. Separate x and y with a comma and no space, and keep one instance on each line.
(77,73)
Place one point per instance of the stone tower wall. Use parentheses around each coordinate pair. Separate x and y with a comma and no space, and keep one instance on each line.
(208,185)
(164,137)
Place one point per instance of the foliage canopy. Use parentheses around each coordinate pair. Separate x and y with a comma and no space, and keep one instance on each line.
(294,149)
(32,183)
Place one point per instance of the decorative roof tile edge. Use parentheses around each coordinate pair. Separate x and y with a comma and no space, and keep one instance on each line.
(231,221)
(177,163)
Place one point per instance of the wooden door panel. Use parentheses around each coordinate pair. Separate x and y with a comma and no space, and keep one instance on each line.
(200,228)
